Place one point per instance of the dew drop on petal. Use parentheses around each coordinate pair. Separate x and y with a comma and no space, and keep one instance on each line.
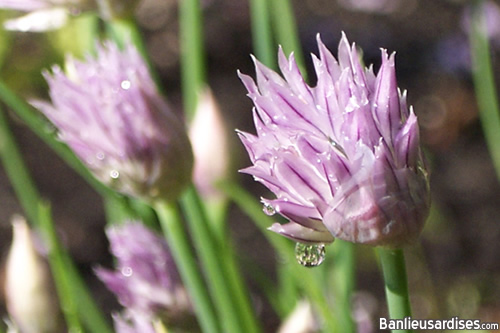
(114,174)
(310,255)
(268,209)
(337,147)
(125,84)
(100,156)
(127,271)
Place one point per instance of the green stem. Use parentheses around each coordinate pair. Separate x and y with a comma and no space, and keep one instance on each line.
(286,31)
(76,299)
(217,214)
(396,285)
(29,197)
(262,33)
(56,261)
(484,83)
(42,128)
(88,310)
(178,242)
(16,170)
(192,54)
(238,288)
(344,282)
(288,292)
(221,285)
(308,279)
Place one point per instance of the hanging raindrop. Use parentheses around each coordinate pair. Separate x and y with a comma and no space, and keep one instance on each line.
(310,255)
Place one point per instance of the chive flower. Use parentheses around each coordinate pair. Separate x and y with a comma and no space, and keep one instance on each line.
(145,280)
(108,111)
(46,15)
(43,15)
(342,157)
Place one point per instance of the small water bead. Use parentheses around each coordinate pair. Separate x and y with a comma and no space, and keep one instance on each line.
(100,156)
(268,209)
(310,255)
(114,174)
(125,84)
(337,147)
(127,271)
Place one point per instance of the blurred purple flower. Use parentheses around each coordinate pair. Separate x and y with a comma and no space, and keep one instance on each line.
(491,14)
(43,15)
(343,158)
(32,5)
(146,279)
(110,113)
(133,322)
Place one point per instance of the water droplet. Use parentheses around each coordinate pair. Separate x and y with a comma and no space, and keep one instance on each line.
(100,156)
(50,128)
(125,84)
(268,209)
(337,147)
(127,271)
(114,174)
(310,255)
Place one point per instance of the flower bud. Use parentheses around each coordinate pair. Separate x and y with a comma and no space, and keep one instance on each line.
(31,299)
(210,146)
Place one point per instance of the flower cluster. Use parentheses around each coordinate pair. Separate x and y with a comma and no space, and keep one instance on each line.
(343,157)
(146,280)
(110,113)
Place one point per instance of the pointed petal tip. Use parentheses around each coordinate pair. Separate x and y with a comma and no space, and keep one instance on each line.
(318,39)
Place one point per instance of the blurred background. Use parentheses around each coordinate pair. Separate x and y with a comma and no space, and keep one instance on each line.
(454,271)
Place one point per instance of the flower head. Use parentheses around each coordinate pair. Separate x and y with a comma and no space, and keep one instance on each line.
(43,15)
(111,115)
(132,322)
(46,15)
(146,279)
(343,157)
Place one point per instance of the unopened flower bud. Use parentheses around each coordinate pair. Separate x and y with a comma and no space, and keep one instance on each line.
(31,299)
(301,320)
(210,143)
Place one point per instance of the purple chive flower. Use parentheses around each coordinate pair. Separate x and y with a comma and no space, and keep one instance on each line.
(43,15)
(111,115)
(32,5)
(146,280)
(133,322)
(343,157)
